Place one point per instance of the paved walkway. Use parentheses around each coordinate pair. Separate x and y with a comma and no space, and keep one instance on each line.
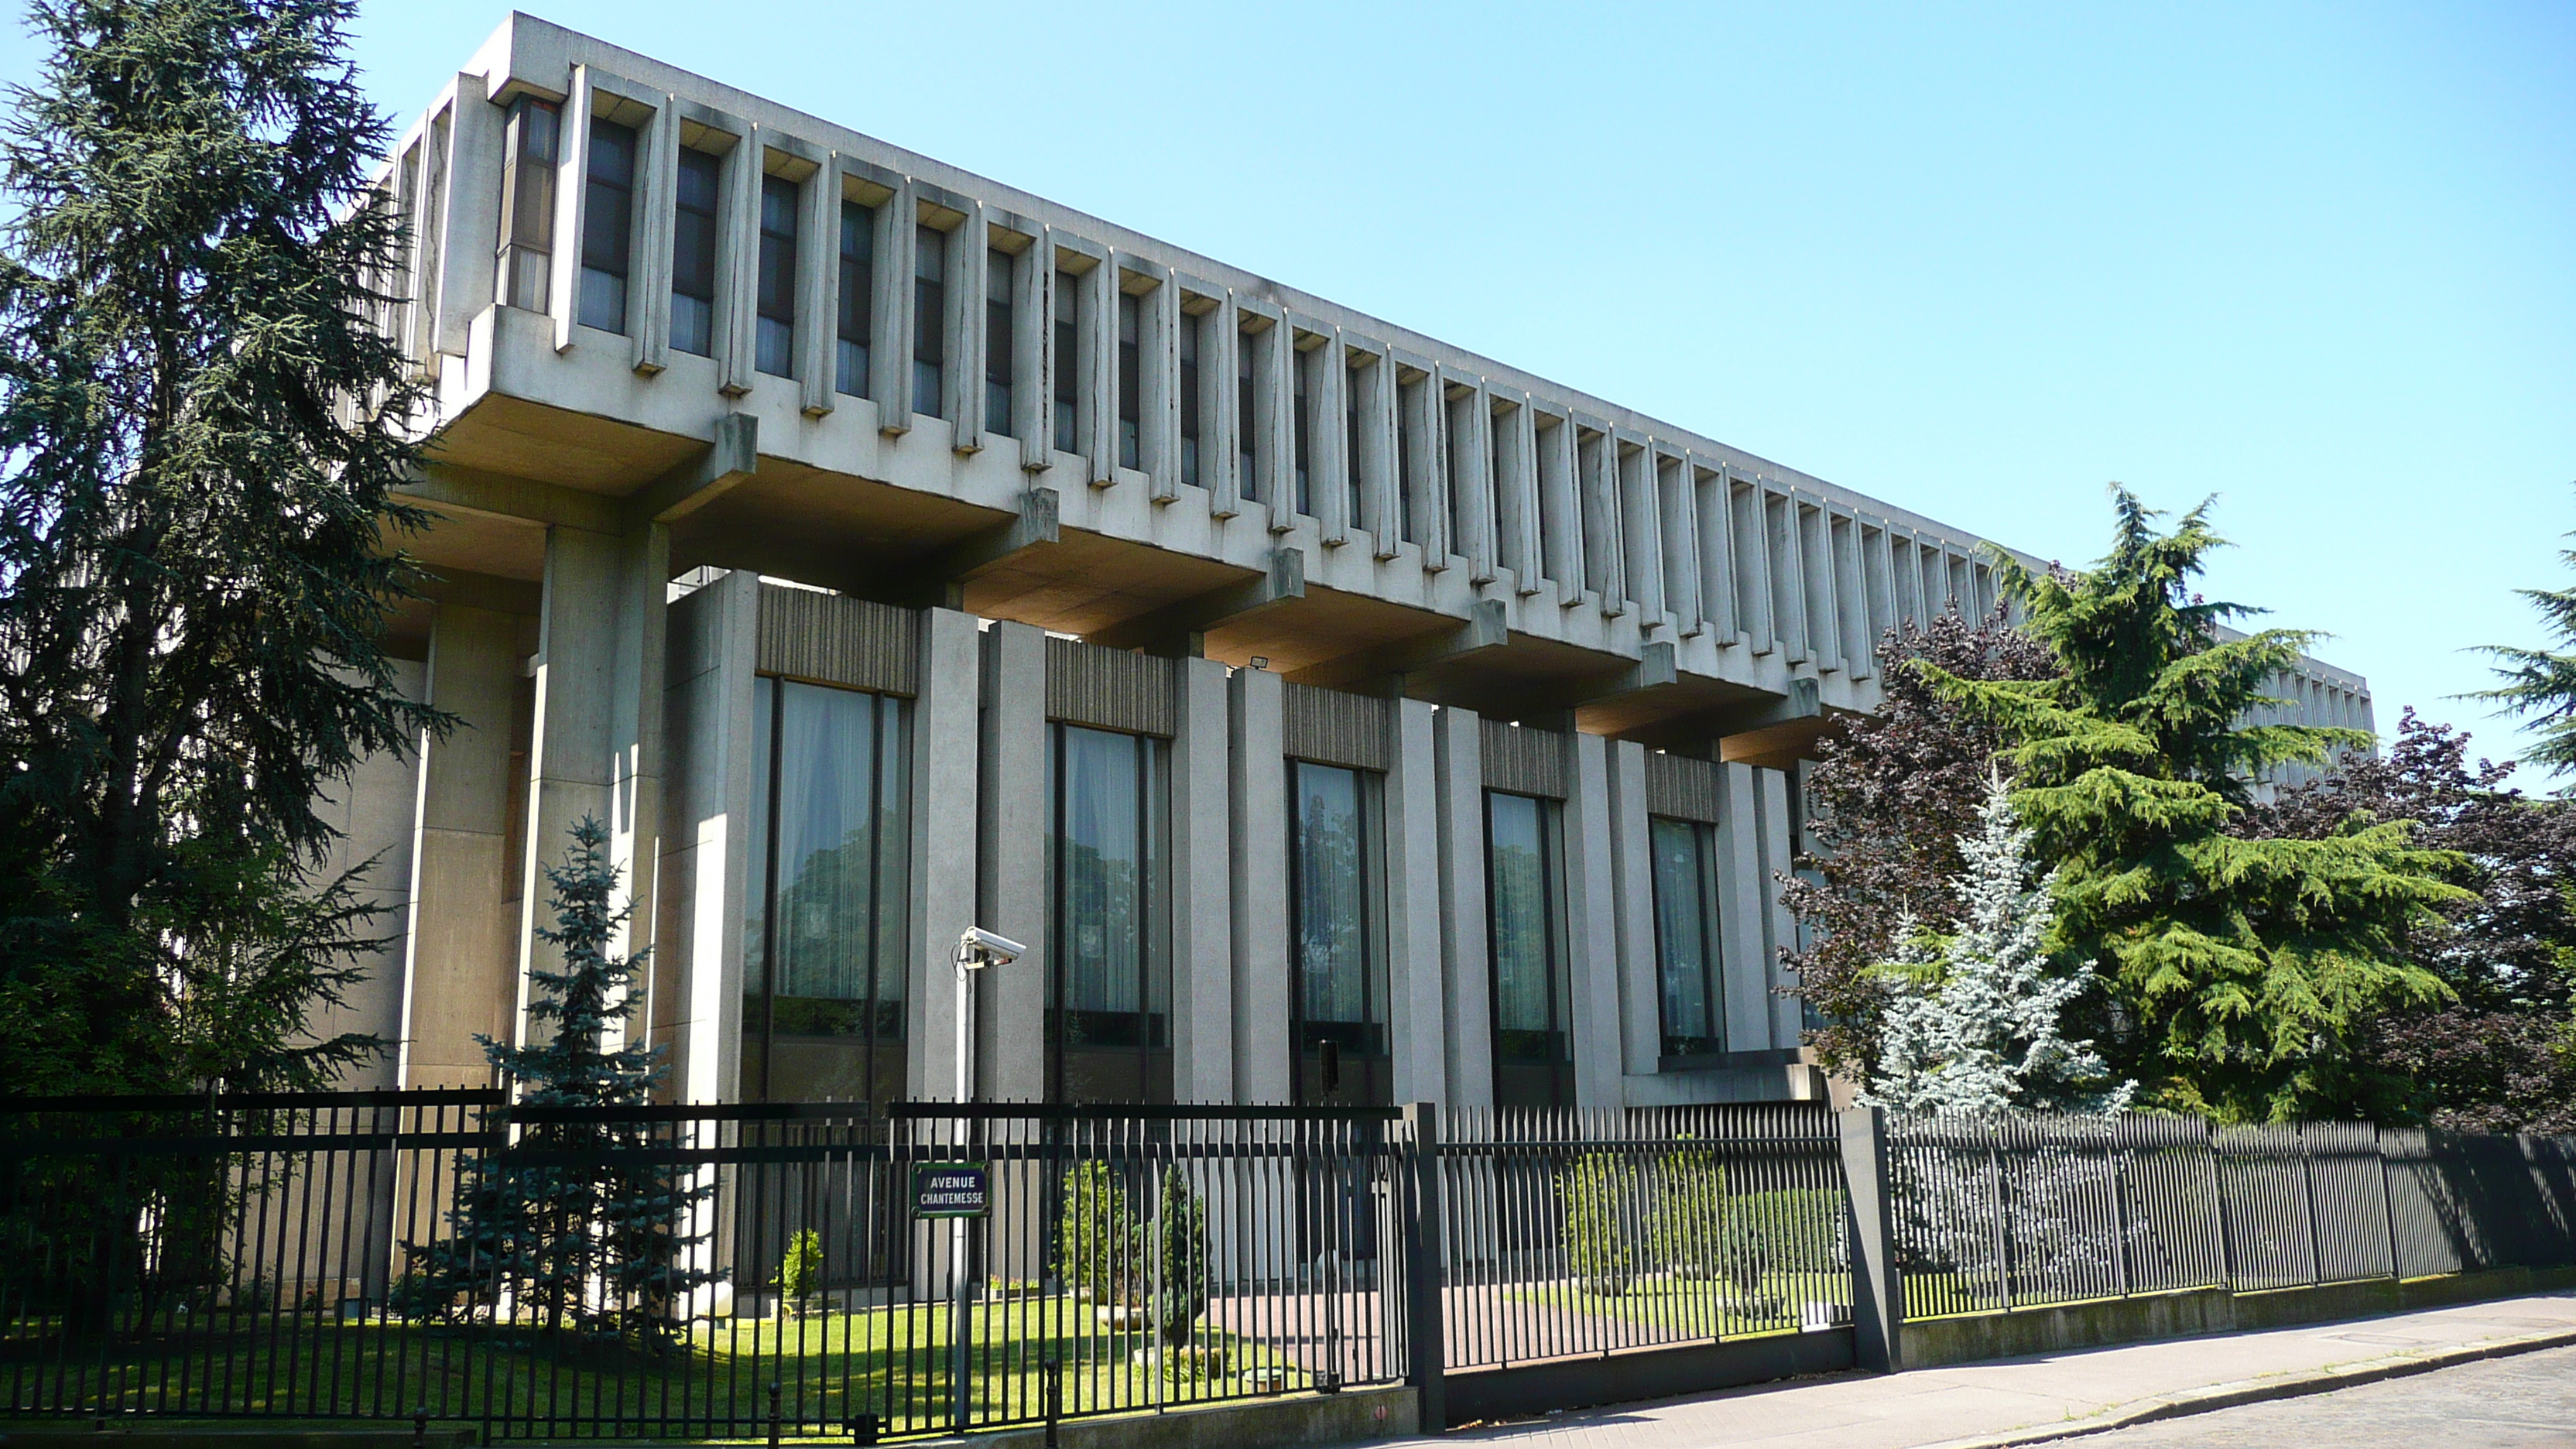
(2027,1399)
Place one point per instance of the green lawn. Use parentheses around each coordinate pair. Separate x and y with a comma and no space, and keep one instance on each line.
(893,1362)
(1696,1307)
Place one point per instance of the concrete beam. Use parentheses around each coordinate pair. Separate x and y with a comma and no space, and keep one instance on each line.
(1655,668)
(1484,628)
(732,456)
(450,489)
(1180,628)
(940,581)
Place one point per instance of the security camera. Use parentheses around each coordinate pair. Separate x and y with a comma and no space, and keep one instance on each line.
(983,948)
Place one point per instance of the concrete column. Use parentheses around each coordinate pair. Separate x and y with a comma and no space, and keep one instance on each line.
(1851,594)
(963,329)
(1605,555)
(648,284)
(1014,894)
(1779,847)
(709,855)
(462,966)
(1561,505)
(1329,482)
(1680,527)
(1633,902)
(890,351)
(1258,823)
(1203,1018)
(1514,446)
(1788,575)
(583,757)
(1714,511)
(1471,471)
(1466,960)
(945,807)
(1878,1292)
(572,171)
(818,287)
(373,811)
(468,215)
(635,719)
(1219,420)
(1742,887)
(738,264)
(1642,518)
(1592,927)
(1158,350)
(1381,496)
(1416,987)
(1760,621)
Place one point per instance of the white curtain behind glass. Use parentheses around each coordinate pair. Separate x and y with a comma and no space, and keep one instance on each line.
(1681,936)
(827,842)
(1103,867)
(1332,878)
(1519,884)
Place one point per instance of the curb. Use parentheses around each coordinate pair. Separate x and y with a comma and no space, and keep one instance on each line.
(2260,1391)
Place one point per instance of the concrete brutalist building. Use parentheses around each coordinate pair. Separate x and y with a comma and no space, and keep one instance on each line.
(881,550)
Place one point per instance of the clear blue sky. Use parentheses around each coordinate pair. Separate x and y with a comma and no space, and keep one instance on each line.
(2319,260)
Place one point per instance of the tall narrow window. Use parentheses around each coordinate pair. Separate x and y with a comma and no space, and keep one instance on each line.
(929,319)
(1339,994)
(1191,326)
(1109,992)
(774,351)
(1247,437)
(529,151)
(1533,1040)
(823,958)
(1299,364)
(1352,508)
(1068,362)
(607,226)
(858,308)
(998,354)
(1686,939)
(693,254)
(1408,452)
(1131,381)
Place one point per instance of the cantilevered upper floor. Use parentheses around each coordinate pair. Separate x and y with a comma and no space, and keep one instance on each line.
(647,298)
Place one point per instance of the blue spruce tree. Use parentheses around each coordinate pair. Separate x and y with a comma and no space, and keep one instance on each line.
(580,1221)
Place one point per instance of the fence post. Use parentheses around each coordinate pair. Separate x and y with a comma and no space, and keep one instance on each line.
(1878,1295)
(2387,1196)
(1424,1337)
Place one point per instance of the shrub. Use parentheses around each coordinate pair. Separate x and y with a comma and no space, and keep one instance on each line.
(800,1271)
(1097,1245)
(1598,1195)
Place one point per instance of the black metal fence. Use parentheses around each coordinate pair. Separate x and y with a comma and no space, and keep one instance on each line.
(1585,1233)
(727,1271)
(2017,1212)
(337,1257)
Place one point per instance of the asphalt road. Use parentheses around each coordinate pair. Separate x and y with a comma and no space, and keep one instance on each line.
(2522,1402)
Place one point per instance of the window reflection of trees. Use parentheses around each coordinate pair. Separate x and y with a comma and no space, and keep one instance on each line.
(1339,962)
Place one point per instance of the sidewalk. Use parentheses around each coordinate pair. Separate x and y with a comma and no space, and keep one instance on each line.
(2026,1400)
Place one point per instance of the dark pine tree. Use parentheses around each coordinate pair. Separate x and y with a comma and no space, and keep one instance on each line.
(582,1223)
(200,427)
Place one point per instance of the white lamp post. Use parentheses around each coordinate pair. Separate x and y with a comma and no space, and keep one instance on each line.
(977,948)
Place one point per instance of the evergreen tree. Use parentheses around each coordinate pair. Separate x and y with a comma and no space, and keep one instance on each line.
(1975,1024)
(1891,794)
(2542,682)
(578,1221)
(1181,1274)
(200,425)
(2239,967)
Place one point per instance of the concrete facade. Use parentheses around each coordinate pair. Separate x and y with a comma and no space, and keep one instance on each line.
(1070,493)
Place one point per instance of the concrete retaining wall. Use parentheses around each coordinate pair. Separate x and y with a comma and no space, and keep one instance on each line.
(1969,1338)
(1292,1419)
(1653,1373)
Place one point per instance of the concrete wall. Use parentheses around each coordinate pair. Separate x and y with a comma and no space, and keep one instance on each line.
(1968,1338)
